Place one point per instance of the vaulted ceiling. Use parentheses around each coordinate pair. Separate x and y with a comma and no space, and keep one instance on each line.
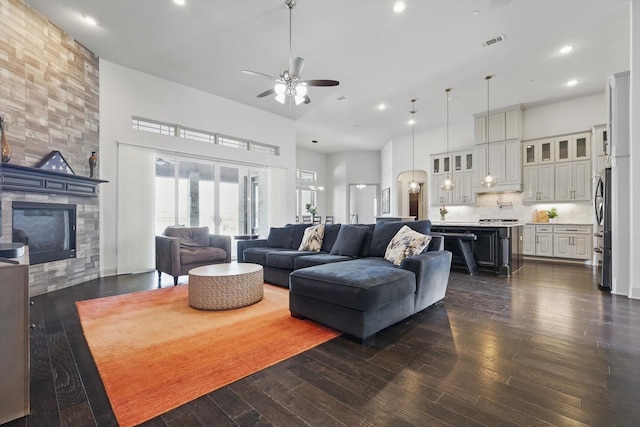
(378,55)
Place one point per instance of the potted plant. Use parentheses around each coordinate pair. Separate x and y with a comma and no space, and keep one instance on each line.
(443,212)
(552,214)
(311,209)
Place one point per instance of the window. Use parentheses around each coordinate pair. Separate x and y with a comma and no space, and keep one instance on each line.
(229,199)
(153,126)
(307,188)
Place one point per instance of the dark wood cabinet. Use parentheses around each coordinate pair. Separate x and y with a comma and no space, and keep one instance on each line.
(14,341)
(495,248)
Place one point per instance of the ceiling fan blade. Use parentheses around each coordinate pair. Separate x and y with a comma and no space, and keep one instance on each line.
(307,100)
(255,73)
(321,82)
(266,93)
(296,67)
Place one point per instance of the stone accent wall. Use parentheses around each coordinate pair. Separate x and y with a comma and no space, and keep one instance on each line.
(49,101)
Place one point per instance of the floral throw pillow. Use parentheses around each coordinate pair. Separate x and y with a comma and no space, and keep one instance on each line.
(406,243)
(312,239)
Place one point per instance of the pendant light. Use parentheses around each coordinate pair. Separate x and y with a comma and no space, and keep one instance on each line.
(447,183)
(488,181)
(414,187)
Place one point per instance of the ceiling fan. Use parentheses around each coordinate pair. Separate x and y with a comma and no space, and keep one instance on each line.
(289,84)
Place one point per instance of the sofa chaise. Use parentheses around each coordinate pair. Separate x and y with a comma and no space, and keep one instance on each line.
(348,282)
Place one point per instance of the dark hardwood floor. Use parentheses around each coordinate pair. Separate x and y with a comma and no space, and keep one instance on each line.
(544,347)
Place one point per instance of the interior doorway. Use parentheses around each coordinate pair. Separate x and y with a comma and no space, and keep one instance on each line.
(412,204)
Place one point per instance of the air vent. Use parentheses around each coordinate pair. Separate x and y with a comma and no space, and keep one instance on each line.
(494,40)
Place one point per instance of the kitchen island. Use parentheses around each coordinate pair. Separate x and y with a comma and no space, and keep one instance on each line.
(495,246)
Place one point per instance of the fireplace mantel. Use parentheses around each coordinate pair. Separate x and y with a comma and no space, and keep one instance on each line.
(34,180)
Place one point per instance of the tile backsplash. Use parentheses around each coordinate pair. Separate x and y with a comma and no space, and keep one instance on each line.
(488,206)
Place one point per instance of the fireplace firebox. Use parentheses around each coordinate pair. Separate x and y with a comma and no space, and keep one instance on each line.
(49,229)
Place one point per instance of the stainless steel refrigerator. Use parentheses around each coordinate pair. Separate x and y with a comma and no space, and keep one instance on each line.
(602,205)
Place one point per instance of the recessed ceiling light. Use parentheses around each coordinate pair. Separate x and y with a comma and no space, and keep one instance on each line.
(179,2)
(475,12)
(89,20)
(566,50)
(399,6)
(382,107)
(411,122)
(572,82)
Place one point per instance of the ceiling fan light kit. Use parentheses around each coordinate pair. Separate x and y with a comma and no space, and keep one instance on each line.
(289,85)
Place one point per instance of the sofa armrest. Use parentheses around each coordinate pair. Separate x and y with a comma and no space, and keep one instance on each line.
(432,276)
(436,243)
(222,242)
(244,244)
(168,255)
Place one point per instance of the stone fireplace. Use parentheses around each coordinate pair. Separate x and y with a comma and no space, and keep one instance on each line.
(50,103)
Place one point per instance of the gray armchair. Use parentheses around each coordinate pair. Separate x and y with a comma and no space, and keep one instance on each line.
(180,249)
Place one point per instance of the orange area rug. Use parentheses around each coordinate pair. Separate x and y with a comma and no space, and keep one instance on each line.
(154,352)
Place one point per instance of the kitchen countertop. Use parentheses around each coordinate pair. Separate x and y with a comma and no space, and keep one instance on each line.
(558,223)
(436,224)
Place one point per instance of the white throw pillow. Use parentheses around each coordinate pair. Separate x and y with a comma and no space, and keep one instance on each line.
(312,239)
(406,243)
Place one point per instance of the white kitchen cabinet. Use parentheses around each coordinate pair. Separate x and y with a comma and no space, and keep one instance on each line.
(458,166)
(503,125)
(438,196)
(512,124)
(601,148)
(529,240)
(537,240)
(538,183)
(573,242)
(463,193)
(573,147)
(505,164)
(462,161)
(441,163)
(573,181)
(538,152)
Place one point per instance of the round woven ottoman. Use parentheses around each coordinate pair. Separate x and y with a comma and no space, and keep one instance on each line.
(225,286)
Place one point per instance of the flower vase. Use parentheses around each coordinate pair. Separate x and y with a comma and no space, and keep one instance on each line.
(442,218)
(93,161)
(5,148)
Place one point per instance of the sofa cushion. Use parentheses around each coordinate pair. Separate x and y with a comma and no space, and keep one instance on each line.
(406,243)
(330,236)
(384,232)
(362,284)
(312,239)
(189,236)
(280,237)
(258,255)
(318,259)
(349,240)
(366,243)
(284,258)
(193,255)
(298,233)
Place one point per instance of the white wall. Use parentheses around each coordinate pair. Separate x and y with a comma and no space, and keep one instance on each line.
(343,169)
(570,116)
(634,255)
(125,93)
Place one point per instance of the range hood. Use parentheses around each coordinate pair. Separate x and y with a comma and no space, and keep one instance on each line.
(499,188)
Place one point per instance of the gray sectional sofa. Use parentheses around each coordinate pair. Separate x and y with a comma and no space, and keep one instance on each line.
(349,285)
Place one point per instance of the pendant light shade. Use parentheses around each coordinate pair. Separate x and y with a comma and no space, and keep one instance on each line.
(489,180)
(414,187)
(447,184)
